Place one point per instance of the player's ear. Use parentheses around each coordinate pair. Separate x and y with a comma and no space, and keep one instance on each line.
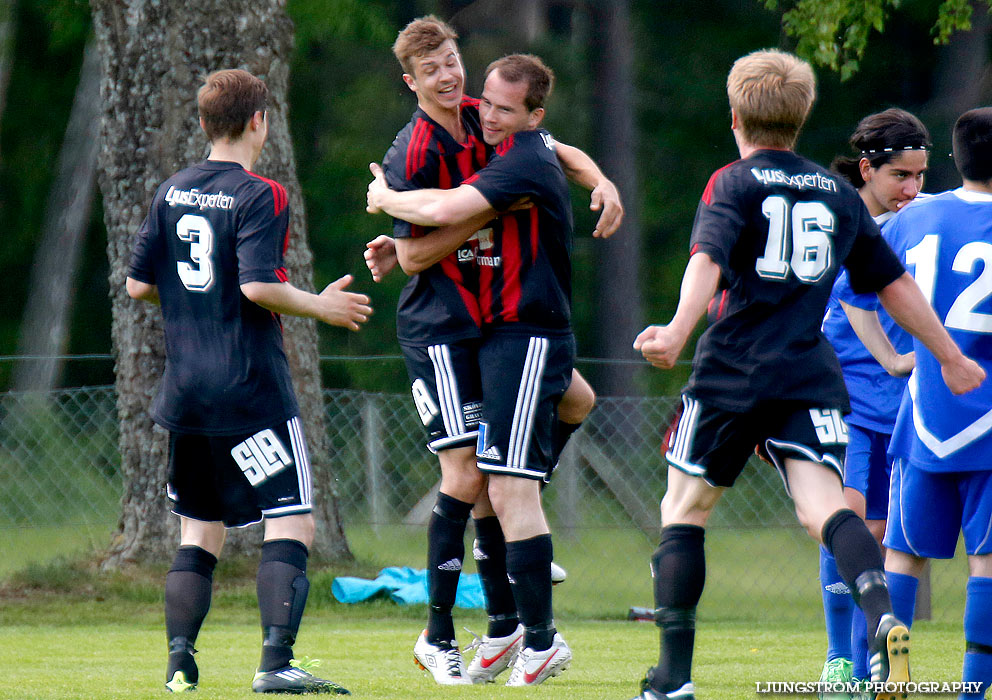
(535,118)
(735,121)
(864,165)
(203,125)
(410,81)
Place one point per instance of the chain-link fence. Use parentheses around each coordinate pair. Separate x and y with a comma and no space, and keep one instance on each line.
(60,488)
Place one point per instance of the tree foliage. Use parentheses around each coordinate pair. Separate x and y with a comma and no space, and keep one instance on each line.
(834,33)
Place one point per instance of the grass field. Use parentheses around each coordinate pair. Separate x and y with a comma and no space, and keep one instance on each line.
(69,631)
(369,652)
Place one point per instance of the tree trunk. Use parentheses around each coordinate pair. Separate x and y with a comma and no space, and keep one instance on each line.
(618,310)
(155,54)
(6,48)
(45,325)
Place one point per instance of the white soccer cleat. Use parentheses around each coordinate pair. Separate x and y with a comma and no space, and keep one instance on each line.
(443,661)
(558,574)
(534,667)
(494,655)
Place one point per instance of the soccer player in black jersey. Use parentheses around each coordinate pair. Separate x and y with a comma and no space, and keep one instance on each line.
(438,326)
(770,234)
(526,351)
(211,253)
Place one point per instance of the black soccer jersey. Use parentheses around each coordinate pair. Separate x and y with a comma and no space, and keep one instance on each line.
(211,228)
(439,305)
(525,270)
(779,226)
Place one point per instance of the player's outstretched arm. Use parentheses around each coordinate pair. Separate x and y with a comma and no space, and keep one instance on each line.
(870,332)
(142,291)
(662,345)
(582,170)
(380,257)
(426,207)
(906,304)
(333,306)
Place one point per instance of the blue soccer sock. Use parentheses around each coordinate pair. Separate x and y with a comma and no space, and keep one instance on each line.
(902,591)
(978,636)
(858,634)
(838,605)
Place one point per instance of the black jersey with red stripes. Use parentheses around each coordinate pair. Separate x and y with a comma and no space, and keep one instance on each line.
(211,228)
(779,226)
(440,304)
(525,269)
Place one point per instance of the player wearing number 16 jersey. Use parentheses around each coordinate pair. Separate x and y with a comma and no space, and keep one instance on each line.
(211,253)
(770,235)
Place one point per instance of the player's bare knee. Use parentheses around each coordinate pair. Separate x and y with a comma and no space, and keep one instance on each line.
(300,527)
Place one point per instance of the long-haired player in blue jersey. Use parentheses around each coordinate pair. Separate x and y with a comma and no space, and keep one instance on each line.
(892,153)
(210,252)
(942,443)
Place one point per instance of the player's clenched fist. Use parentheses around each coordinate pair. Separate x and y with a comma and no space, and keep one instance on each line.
(963,376)
(660,345)
(341,308)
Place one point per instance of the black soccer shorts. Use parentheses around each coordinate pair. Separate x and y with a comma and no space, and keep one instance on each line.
(523,379)
(238,479)
(444,380)
(715,444)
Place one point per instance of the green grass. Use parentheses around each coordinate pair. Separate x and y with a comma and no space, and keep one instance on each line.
(68,630)
(370,653)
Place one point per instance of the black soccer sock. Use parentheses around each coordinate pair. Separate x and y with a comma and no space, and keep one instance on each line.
(528,564)
(859,562)
(678,567)
(445,554)
(490,560)
(282,587)
(187,600)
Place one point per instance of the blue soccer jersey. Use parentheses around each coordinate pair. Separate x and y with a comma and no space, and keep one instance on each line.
(946,241)
(875,394)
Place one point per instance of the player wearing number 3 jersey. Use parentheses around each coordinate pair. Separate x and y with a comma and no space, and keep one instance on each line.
(211,253)
(770,235)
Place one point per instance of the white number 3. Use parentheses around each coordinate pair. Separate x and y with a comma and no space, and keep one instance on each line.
(196,230)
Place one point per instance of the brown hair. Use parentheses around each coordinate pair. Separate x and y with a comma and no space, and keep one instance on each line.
(419,38)
(227,100)
(771,92)
(880,138)
(520,67)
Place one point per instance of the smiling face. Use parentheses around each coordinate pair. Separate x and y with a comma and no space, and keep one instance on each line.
(438,79)
(893,184)
(503,110)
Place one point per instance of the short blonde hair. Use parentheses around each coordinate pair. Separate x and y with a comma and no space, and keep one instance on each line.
(422,36)
(771,92)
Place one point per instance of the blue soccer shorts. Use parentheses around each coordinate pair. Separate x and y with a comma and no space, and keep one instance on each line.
(867,469)
(927,511)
